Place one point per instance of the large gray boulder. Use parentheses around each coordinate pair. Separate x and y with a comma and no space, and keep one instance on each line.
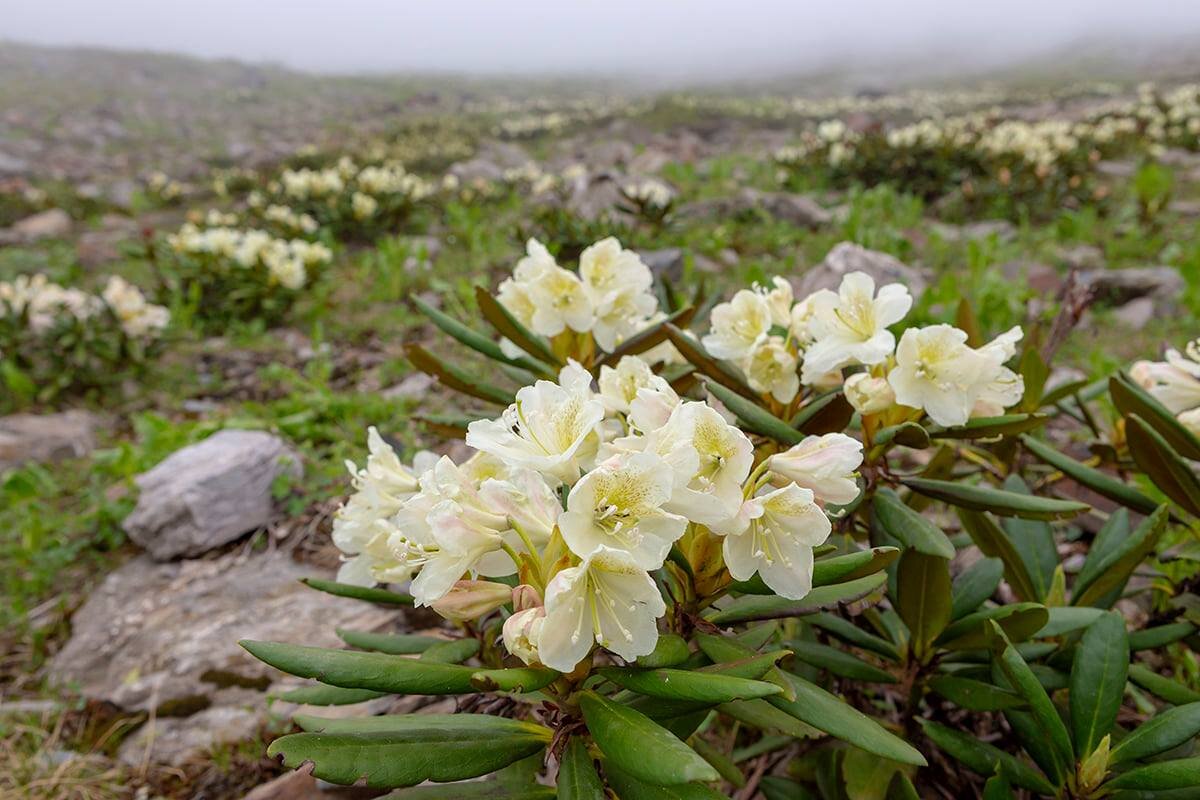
(209,493)
(46,437)
(1120,286)
(847,257)
(51,224)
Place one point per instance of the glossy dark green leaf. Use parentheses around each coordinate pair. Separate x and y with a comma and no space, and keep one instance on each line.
(577,777)
(390,752)
(1034,542)
(906,434)
(851,566)
(756,607)
(677,684)
(1132,399)
(720,762)
(997,788)
(993,541)
(1019,621)
(1183,773)
(514,679)
(454,377)
(909,527)
(997,501)
(629,787)
(990,427)
(473,790)
(453,651)
(1113,570)
(901,788)
(399,644)
(507,326)
(838,662)
(695,354)
(985,759)
(477,341)
(1099,482)
(754,417)
(670,651)
(1160,636)
(321,695)
(1098,681)
(627,737)
(850,633)
(974,695)
(1172,691)
(1064,619)
(1166,467)
(974,585)
(372,595)
(826,712)
(775,787)
(923,598)
(1042,710)
(1163,732)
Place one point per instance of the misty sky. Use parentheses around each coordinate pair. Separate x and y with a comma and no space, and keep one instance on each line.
(671,38)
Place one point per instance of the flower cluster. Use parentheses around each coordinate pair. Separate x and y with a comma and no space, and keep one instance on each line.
(286,262)
(609,298)
(780,344)
(582,488)
(43,305)
(1175,383)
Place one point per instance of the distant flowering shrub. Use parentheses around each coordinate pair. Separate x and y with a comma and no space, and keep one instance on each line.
(56,340)
(224,273)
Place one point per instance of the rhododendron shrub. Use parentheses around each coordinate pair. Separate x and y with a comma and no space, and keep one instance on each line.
(673,542)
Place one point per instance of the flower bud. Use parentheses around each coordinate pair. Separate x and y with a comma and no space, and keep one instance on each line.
(521,633)
(525,597)
(469,600)
(868,394)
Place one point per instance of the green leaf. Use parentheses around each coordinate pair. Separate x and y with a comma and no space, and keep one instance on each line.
(1034,542)
(900,788)
(1173,692)
(993,542)
(909,527)
(626,737)
(720,762)
(839,663)
(974,695)
(1183,773)
(508,326)
(454,377)
(398,644)
(1160,636)
(850,633)
(453,651)
(763,716)
(1019,621)
(974,585)
(381,596)
(984,758)
(403,751)
(826,712)
(1154,456)
(1064,619)
(754,417)
(577,777)
(677,684)
(1098,681)
(477,341)
(852,566)
(991,427)
(1112,571)
(695,354)
(321,695)
(997,788)
(923,598)
(629,787)
(753,607)
(997,501)
(516,679)
(671,650)
(1131,399)
(830,413)
(906,434)
(482,725)
(1112,534)
(1042,710)
(1099,482)
(1161,733)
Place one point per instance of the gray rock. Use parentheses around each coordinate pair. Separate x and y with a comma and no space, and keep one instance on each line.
(164,637)
(1002,229)
(796,209)
(1083,256)
(599,196)
(53,223)
(1136,314)
(209,493)
(1119,286)
(1185,208)
(1117,169)
(177,740)
(1041,278)
(46,437)
(846,257)
(11,165)
(666,263)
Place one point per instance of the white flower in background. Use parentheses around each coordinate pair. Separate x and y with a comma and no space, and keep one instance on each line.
(771,367)
(779,300)
(363,206)
(1001,386)
(606,600)
(619,386)
(1175,382)
(710,458)
(851,326)
(137,317)
(936,371)
(774,535)
(380,489)
(558,297)
(825,464)
(739,325)
(551,427)
(619,505)
(522,631)
(868,394)
(651,193)
(618,284)
(800,321)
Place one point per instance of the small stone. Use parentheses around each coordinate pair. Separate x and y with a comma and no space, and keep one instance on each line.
(1119,286)
(209,493)
(46,437)
(413,386)
(1083,256)
(847,257)
(1002,229)
(666,263)
(53,223)
(1136,314)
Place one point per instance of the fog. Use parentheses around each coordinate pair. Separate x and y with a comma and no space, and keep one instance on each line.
(666,39)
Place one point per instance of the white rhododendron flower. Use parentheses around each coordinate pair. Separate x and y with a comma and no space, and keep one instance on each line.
(1175,382)
(771,369)
(1001,386)
(619,506)
(868,394)
(779,300)
(774,535)
(824,464)
(851,326)
(522,631)
(618,284)
(739,325)
(619,386)
(552,427)
(606,600)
